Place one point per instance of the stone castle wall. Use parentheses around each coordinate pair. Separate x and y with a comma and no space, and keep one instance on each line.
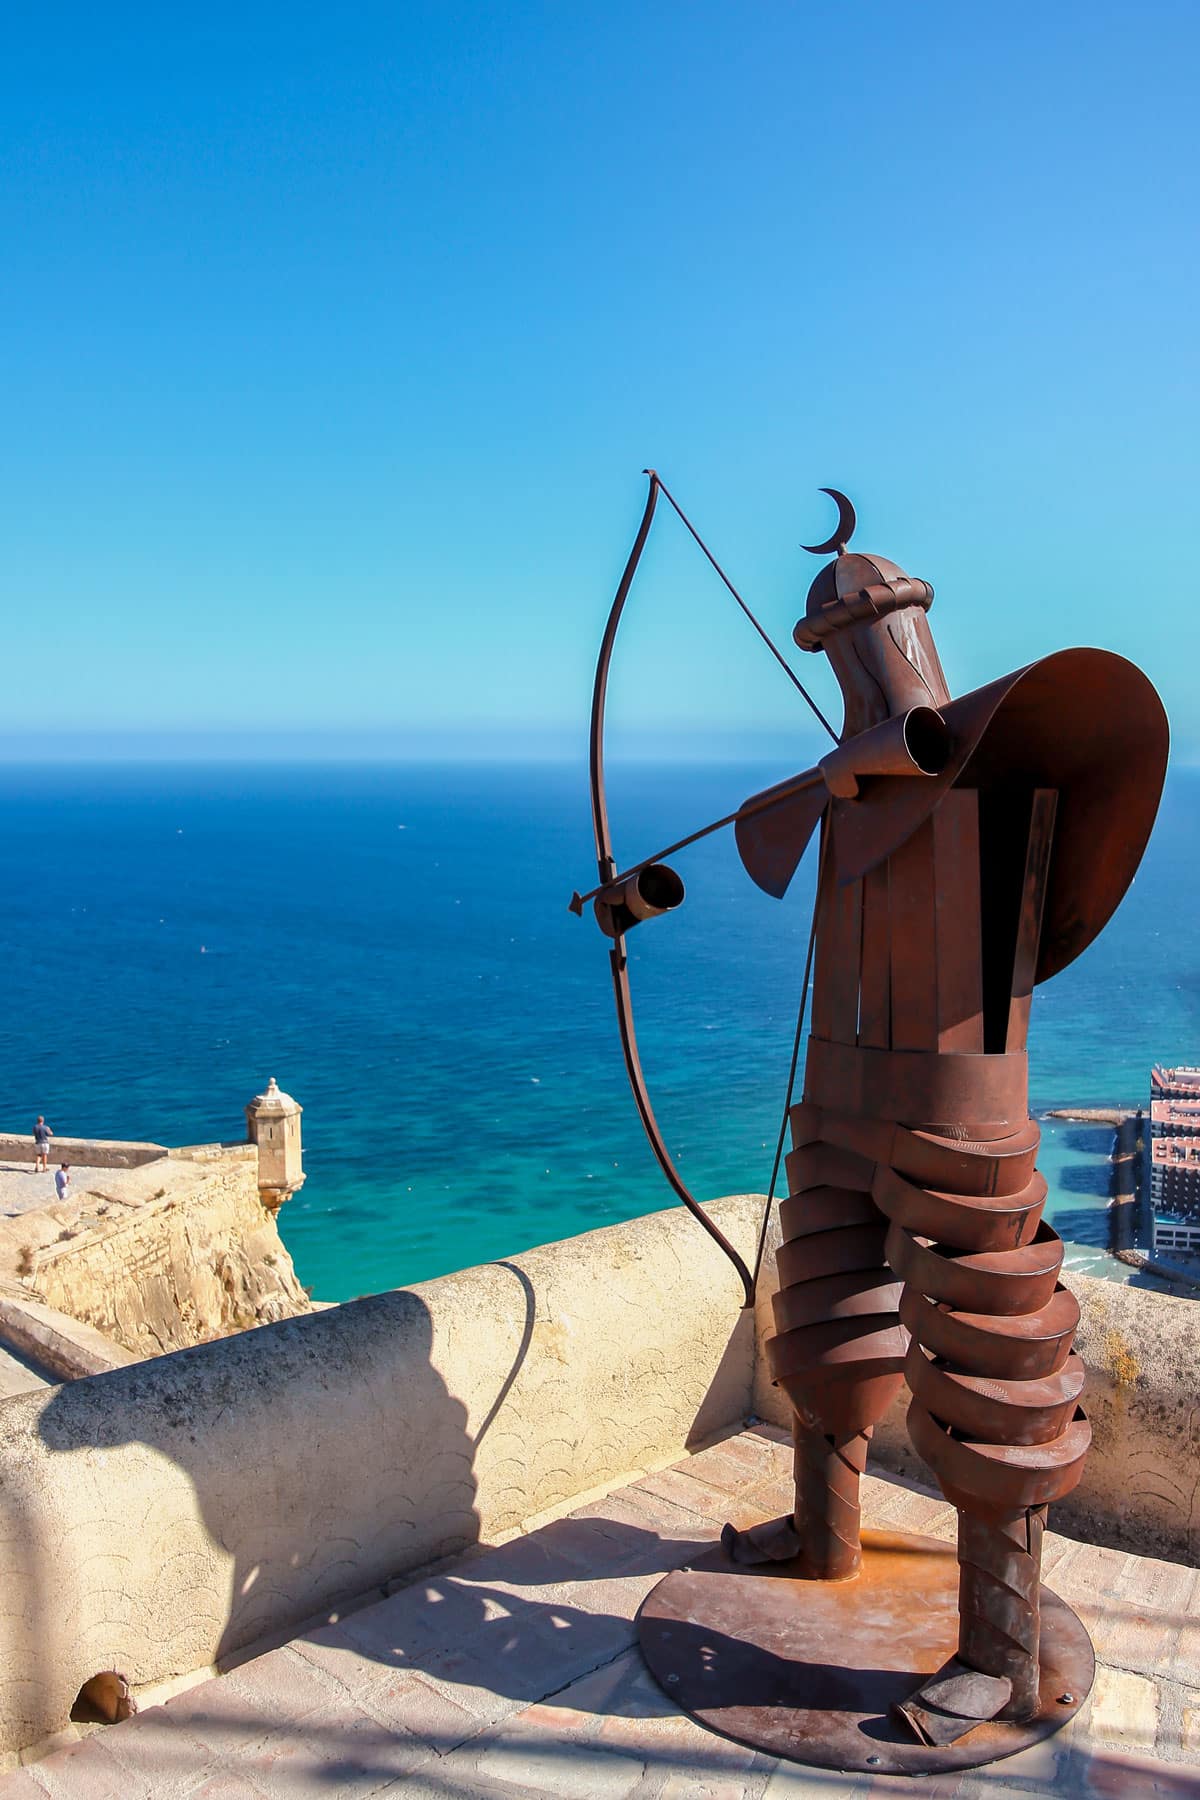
(97,1153)
(179,1253)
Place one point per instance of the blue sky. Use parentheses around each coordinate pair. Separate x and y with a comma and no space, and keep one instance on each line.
(334,341)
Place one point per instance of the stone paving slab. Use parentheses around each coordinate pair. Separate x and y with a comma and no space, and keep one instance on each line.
(22,1191)
(19,1375)
(515,1673)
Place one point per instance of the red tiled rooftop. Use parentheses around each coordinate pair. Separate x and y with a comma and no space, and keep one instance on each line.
(1185,1076)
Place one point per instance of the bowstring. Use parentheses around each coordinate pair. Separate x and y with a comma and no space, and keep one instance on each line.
(791,1081)
(784,664)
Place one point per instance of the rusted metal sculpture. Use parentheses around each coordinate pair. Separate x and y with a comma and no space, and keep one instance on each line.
(969,849)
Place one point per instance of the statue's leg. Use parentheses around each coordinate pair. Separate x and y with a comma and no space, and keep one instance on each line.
(999,1586)
(822,1529)
(994,1413)
(837,1353)
(838,1350)
(828,1477)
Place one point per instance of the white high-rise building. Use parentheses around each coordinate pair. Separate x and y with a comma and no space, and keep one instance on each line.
(1175,1159)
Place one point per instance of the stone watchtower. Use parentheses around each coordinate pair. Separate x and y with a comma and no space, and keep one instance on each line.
(273,1123)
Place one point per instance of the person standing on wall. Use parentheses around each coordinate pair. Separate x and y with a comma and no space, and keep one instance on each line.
(41,1143)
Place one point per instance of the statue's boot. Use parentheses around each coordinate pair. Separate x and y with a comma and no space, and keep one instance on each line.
(775,1540)
(953,1702)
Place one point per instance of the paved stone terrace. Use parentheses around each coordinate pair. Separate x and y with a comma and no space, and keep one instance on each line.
(23,1191)
(515,1673)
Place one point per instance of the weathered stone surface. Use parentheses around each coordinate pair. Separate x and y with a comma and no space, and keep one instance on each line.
(452,1690)
(163,1515)
(1124,1709)
(21,1374)
(97,1153)
(56,1342)
(159,1257)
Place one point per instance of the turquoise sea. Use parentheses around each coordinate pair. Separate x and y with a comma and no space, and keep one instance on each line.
(392,942)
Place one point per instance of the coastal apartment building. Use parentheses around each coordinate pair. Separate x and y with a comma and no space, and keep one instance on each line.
(1175,1159)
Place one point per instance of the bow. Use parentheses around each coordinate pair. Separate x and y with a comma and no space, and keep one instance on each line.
(617,916)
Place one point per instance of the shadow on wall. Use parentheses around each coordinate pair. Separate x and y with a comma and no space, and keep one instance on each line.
(284,1435)
(529,1299)
(29,1666)
(180,1511)
(734,1373)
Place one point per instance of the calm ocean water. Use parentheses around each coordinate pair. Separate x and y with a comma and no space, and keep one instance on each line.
(392,943)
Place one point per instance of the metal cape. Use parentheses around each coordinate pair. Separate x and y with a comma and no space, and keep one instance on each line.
(1085,722)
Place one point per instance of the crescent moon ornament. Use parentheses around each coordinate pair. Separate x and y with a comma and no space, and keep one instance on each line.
(847,520)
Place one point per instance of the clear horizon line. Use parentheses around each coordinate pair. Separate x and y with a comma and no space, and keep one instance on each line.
(443,744)
(453,744)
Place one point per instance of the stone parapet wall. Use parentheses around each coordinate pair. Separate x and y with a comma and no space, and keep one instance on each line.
(165,1515)
(92,1153)
(56,1343)
(161,1516)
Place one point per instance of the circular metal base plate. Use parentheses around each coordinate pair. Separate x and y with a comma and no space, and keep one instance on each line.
(809,1669)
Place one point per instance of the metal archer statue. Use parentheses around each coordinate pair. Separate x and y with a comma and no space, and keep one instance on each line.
(969,849)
